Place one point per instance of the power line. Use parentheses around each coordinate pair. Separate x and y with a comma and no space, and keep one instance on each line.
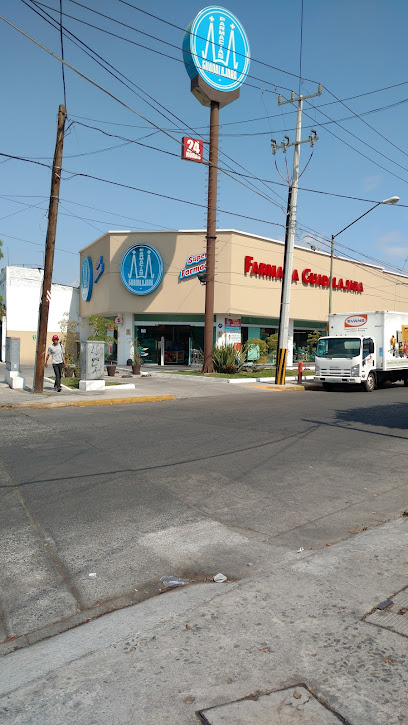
(99,63)
(144,191)
(37,244)
(359,139)
(320,239)
(179,27)
(330,120)
(313,125)
(359,116)
(301,47)
(266,181)
(62,56)
(140,45)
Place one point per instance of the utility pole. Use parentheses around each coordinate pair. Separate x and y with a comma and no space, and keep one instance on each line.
(211,237)
(290,229)
(331,273)
(49,253)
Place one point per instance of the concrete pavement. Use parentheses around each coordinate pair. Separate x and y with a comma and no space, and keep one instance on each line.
(220,649)
(155,386)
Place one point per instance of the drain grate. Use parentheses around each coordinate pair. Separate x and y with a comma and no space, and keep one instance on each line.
(291,706)
(392,614)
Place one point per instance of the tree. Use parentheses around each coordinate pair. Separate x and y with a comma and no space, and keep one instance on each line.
(312,339)
(99,328)
(272,342)
(70,340)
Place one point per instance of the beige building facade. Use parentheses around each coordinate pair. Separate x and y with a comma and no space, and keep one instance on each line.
(149,282)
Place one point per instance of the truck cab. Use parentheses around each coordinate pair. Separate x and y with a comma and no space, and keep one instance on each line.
(346,359)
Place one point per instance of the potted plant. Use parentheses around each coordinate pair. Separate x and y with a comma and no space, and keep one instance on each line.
(136,356)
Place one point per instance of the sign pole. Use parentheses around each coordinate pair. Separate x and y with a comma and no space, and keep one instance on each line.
(211,237)
(216,55)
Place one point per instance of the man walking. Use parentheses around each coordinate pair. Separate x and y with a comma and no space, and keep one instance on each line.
(57,353)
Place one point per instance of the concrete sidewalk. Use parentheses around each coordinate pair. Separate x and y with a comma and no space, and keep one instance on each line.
(310,625)
(156,386)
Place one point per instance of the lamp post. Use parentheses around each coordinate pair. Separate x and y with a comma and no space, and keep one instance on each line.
(391,200)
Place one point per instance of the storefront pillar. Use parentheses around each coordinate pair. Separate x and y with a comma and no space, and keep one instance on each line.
(125,338)
(289,360)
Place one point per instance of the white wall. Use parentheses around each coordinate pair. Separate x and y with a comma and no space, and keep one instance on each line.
(22,295)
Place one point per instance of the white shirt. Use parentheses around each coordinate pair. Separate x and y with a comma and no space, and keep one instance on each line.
(56,352)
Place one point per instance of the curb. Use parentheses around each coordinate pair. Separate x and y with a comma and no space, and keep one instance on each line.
(88,403)
(289,388)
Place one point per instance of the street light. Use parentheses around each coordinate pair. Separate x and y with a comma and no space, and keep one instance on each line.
(391,200)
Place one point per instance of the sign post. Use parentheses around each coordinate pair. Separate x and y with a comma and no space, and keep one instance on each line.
(216,56)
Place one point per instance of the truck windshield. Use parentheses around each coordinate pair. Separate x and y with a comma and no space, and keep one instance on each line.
(338,347)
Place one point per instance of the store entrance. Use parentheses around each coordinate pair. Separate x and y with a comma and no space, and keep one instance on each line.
(179,342)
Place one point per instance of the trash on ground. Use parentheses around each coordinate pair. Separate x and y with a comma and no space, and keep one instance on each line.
(386,603)
(220,578)
(173,581)
(93,575)
(299,551)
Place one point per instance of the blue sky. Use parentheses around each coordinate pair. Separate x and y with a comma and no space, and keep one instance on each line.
(352,47)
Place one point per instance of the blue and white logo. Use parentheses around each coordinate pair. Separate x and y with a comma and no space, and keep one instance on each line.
(216,47)
(99,269)
(86,279)
(141,269)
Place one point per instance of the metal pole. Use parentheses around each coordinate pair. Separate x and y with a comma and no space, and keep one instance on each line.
(287,272)
(211,237)
(285,256)
(49,253)
(331,273)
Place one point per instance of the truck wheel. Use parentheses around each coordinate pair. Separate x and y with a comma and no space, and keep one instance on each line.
(406,382)
(370,383)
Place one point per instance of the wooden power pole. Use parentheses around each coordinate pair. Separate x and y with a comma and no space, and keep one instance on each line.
(49,254)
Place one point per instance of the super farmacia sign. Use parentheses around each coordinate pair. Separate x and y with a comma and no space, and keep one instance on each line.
(307,276)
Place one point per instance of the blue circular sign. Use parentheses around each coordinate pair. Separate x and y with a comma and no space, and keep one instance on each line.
(216,47)
(86,279)
(141,269)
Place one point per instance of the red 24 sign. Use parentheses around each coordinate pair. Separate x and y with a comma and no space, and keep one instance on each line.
(192,149)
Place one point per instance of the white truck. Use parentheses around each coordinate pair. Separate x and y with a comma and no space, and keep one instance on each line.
(367,348)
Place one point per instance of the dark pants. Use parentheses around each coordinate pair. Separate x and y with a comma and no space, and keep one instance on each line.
(57,370)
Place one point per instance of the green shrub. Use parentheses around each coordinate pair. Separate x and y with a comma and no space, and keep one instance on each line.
(256,343)
(228,359)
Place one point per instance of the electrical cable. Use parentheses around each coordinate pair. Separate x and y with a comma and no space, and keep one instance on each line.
(316,108)
(99,63)
(62,56)
(359,116)
(160,40)
(146,47)
(301,47)
(178,27)
(266,181)
(275,115)
(38,244)
(144,191)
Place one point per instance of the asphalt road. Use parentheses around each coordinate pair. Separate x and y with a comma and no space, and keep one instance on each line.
(189,488)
